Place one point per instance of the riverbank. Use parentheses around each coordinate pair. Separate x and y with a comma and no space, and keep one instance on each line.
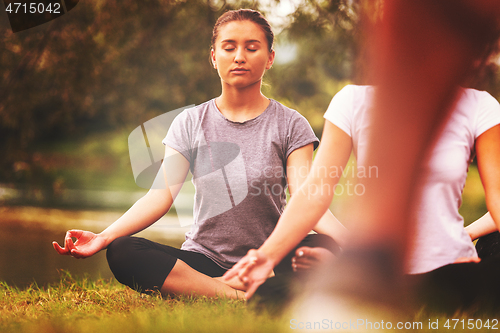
(27,233)
(167,228)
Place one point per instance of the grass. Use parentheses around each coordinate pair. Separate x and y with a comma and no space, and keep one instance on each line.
(82,305)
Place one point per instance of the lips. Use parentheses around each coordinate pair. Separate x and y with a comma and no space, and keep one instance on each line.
(239,70)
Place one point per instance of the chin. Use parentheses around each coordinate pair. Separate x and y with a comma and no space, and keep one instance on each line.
(243,85)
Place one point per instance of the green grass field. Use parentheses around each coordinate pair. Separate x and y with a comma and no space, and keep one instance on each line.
(81,305)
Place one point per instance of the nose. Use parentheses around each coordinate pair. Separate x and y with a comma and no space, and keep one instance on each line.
(239,57)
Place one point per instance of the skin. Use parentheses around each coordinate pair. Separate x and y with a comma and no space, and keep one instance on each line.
(241,58)
(481,227)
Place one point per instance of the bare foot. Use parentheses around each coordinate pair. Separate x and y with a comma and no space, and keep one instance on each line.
(235,282)
(309,257)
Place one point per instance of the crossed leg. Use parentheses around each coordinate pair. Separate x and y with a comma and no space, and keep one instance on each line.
(184,280)
(146,266)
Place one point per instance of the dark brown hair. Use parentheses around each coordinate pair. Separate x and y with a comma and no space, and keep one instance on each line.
(245,15)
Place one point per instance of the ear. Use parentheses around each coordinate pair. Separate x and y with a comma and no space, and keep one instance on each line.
(270,61)
(212,56)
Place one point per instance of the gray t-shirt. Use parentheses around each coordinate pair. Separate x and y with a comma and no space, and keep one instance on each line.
(239,173)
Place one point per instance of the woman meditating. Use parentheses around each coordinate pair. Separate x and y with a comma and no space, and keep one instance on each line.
(243,150)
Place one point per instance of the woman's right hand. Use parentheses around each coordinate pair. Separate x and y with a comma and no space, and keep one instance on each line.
(87,244)
(252,270)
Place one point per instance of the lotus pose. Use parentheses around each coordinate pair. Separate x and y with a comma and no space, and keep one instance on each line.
(243,150)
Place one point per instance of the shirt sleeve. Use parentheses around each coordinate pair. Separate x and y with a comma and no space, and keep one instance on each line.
(339,111)
(179,134)
(299,134)
(488,114)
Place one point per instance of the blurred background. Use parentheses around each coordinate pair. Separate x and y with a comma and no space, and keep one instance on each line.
(73,90)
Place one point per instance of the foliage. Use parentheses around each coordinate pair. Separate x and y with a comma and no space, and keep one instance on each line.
(111,65)
(326,35)
(115,64)
(105,64)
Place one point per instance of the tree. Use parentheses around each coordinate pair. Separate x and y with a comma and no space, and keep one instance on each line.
(102,65)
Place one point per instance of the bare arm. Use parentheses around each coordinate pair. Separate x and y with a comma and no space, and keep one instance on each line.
(481,227)
(141,215)
(298,167)
(488,162)
(312,199)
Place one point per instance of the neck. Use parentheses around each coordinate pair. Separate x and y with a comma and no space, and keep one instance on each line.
(241,104)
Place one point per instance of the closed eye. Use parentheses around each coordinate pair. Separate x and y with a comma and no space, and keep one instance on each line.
(252,47)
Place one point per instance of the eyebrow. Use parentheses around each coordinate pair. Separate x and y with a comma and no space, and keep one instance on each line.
(233,41)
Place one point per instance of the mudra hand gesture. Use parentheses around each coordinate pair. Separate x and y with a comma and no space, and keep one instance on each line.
(87,244)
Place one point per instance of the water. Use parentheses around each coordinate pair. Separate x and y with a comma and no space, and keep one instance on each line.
(27,255)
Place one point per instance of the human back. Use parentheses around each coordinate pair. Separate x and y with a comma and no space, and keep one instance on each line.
(440,237)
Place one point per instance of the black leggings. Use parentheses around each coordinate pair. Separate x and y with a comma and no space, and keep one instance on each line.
(449,288)
(466,285)
(144,265)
